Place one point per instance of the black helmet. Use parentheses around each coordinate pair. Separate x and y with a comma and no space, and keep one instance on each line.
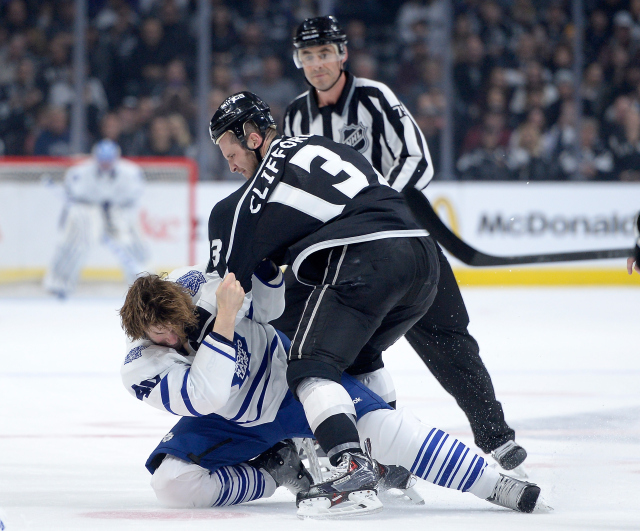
(320,30)
(237,110)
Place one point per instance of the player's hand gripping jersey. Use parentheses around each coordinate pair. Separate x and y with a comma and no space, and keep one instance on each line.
(308,194)
(239,384)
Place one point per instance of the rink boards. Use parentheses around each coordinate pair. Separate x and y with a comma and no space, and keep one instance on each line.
(496,218)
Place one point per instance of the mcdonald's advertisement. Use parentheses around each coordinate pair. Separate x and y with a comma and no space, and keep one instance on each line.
(520,218)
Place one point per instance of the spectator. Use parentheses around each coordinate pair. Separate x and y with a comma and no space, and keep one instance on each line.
(148,59)
(471,74)
(274,87)
(536,80)
(624,142)
(430,118)
(525,159)
(491,120)
(430,79)
(160,141)
(593,162)
(57,67)
(562,135)
(225,79)
(55,139)
(132,137)
(10,57)
(623,35)
(487,162)
(110,127)
(180,134)
(175,91)
(176,32)
(16,17)
(250,54)
(597,35)
(495,33)
(24,97)
(223,32)
(594,91)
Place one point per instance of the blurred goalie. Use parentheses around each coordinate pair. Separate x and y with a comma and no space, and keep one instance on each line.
(101,206)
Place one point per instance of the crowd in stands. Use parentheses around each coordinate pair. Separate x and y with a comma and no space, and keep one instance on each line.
(516,112)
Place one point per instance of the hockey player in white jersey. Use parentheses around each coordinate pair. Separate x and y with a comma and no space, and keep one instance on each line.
(102,195)
(232,393)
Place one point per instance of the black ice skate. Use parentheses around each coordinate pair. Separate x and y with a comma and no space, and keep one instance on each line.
(283,464)
(510,455)
(397,477)
(351,490)
(515,494)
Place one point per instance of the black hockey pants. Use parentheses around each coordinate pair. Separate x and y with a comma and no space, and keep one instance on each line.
(444,344)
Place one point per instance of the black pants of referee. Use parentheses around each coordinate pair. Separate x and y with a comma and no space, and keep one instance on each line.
(444,344)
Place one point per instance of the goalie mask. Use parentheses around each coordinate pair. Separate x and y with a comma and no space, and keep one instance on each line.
(235,112)
(317,32)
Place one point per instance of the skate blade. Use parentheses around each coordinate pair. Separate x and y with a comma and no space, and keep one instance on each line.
(519,472)
(542,507)
(359,503)
(414,496)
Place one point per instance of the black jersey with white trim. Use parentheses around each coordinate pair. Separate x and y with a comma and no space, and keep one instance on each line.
(370,118)
(309,193)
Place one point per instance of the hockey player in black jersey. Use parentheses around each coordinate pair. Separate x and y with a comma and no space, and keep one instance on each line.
(320,208)
(368,116)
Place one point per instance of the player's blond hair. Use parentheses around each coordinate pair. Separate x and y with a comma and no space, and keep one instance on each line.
(153,301)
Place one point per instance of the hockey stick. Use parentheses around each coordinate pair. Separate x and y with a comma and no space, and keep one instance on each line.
(423,212)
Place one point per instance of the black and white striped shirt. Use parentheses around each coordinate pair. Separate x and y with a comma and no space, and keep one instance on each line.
(370,118)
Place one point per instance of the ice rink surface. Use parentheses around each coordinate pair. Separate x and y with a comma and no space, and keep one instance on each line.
(565,364)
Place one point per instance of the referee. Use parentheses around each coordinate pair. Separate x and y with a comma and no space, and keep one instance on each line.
(368,116)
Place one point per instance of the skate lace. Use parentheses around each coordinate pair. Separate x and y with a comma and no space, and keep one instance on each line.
(341,468)
(506,492)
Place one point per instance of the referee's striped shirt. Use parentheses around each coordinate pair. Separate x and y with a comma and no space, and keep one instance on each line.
(370,118)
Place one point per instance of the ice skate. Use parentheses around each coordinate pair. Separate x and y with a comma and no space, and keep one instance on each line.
(510,456)
(397,477)
(350,491)
(515,494)
(284,466)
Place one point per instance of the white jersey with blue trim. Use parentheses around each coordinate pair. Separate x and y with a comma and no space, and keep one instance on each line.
(121,185)
(243,381)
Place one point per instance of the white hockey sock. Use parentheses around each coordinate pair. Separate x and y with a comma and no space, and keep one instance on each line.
(398,437)
(380,382)
(178,483)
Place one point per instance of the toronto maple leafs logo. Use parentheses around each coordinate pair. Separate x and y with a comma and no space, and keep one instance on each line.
(355,135)
(242,361)
(134,354)
(192,281)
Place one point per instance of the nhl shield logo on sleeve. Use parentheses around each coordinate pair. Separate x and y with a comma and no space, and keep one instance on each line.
(355,135)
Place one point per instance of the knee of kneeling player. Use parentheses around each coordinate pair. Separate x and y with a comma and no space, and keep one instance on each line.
(301,369)
(179,484)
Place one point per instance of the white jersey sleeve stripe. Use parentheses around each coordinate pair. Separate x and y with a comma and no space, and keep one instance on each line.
(164,393)
(185,395)
(225,354)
